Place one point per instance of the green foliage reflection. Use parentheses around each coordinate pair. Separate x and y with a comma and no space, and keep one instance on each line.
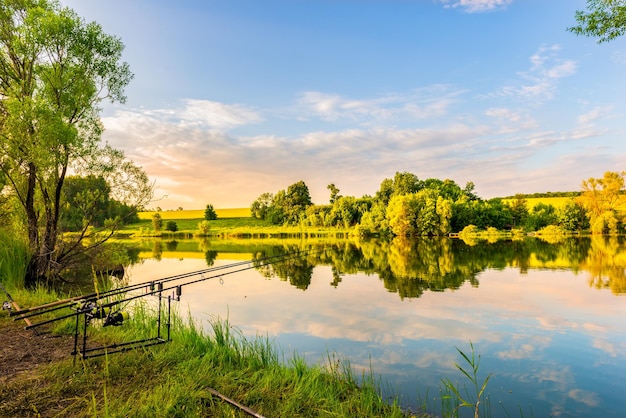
(411,266)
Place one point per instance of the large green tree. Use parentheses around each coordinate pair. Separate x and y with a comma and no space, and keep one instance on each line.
(55,70)
(603,19)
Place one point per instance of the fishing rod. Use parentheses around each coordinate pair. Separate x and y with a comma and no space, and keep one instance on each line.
(91,310)
(12,304)
(102,310)
(68,303)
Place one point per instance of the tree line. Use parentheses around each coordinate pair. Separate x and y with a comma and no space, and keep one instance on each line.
(407,206)
(56,176)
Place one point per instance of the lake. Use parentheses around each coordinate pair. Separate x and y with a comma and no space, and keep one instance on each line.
(546,316)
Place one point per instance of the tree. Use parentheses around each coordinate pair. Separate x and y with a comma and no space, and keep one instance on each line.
(405,183)
(209,213)
(334,193)
(84,198)
(423,213)
(540,216)
(573,216)
(401,214)
(260,207)
(601,198)
(204,227)
(87,201)
(171,226)
(519,210)
(157,222)
(55,70)
(604,19)
(297,200)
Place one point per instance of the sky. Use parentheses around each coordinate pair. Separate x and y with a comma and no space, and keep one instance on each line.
(232,99)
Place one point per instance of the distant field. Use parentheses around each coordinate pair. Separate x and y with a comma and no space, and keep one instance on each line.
(197,214)
(557,202)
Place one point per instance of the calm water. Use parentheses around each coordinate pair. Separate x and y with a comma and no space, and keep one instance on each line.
(547,318)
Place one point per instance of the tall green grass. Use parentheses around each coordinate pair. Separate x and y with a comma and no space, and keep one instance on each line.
(14,257)
(173,379)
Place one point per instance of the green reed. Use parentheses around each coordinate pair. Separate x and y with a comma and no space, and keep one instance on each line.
(473,396)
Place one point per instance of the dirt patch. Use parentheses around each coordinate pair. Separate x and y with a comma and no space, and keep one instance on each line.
(23,350)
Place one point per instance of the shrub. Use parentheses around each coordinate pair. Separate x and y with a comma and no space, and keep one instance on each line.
(171,226)
(469,230)
(204,227)
(552,230)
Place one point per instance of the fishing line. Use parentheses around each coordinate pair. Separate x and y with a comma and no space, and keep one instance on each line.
(66,303)
(85,304)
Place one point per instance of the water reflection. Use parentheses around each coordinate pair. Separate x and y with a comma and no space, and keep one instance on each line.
(409,267)
(556,345)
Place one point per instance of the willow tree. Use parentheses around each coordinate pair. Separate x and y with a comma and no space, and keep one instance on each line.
(55,71)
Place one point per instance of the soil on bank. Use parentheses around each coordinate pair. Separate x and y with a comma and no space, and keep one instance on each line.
(24,350)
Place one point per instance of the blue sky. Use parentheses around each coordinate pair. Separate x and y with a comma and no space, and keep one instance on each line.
(235,98)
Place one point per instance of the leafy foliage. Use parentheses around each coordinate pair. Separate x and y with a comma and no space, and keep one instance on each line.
(55,70)
(157,222)
(171,226)
(204,227)
(603,19)
(601,198)
(285,207)
(209,213)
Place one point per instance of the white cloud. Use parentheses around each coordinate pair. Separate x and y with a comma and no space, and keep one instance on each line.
(194,163)
(539,82)
(477,6)
(598,112)
(206,114)
(432,102)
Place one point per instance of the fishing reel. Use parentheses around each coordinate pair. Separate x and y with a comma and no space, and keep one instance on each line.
(92,311)
(6,306)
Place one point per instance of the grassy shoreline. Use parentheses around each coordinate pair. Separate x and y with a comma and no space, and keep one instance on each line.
(173,379)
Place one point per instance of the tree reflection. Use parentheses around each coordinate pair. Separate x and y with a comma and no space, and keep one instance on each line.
(606,263)
(295,270)
(409,267)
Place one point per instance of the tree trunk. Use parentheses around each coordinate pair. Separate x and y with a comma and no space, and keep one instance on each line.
(32,275)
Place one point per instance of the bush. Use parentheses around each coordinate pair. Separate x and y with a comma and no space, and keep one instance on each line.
(204,227)
(470,230)
(171,226)
(552,230)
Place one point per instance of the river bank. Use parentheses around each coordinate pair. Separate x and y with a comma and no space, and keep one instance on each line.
(41,379)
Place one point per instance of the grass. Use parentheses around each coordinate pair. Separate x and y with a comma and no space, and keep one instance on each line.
(14,258)
(227,227)
(175,379)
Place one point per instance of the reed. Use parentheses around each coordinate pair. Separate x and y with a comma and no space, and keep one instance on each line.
(473,396)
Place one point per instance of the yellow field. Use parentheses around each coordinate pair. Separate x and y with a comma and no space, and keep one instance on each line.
(557,202)
(198,214)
